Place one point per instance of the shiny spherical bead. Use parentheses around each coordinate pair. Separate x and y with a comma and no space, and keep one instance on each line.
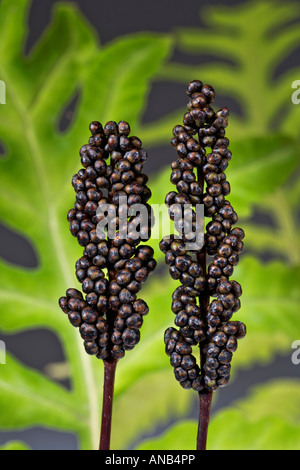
(123,277)
(181,319)
(214,190)
(213,350)
(126,296)
(194,270)
(100,167)
(194,87)
(225,357)
(225,251)
(114,302)
(220,262)
(117,351)
(134,321)
(130,337)
(233,259)
(170,346)
(198,384)
(90,250)
(125,311)
(238,232)
(141,307)
(75,318)
(103,353)
(200,283)
(182,263)
(103,340)
(223,381)
(145,253)
(174,272)
(224,287)
(91,347)
(231,344)
(236,288)
(94,273)
(228,300)
(183,348)
(116,337)
(87,285)
(119,323)
(241,330)
(188,281)
(178,248)
(101,325)
(102,303)
(211,283)
(74,227)
(214,228)
(92,299)
(89,315)
(195,322)
(209,93)
(164,245)
(134,286)
(134,264)
(227,314)
(210,384)
(88,332)
(220,338)
(83,238)
(141,275)
(198,100)
(186,384)
(175,359)
(180,374)
(228,270)
(95,127)
(214,271)
(151,264)
(63,303)
(74,303)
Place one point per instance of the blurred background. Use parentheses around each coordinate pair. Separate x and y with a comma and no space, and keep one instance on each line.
(67,63)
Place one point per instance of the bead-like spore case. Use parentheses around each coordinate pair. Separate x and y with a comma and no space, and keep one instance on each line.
(111,271)
(199,176)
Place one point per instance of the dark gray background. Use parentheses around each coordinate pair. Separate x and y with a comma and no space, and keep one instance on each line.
(113,19)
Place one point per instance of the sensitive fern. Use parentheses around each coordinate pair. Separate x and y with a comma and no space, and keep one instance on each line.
(199,321)
(113,269)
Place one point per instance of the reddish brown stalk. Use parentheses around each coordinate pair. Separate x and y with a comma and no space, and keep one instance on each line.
(205,400)
(108,393)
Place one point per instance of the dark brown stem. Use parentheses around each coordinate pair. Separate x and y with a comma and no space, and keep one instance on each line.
(108,393)
(205,399)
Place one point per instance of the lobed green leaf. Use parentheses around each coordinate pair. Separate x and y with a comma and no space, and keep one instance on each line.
(266,420)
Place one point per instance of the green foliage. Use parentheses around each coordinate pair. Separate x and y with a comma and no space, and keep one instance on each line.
(260,165)
(248,44)
(41,400)
(14,445)
(266,420)
(35,194)
(36,191)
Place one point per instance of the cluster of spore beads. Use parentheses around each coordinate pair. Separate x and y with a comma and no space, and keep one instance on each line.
(199,176)
(112,269)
